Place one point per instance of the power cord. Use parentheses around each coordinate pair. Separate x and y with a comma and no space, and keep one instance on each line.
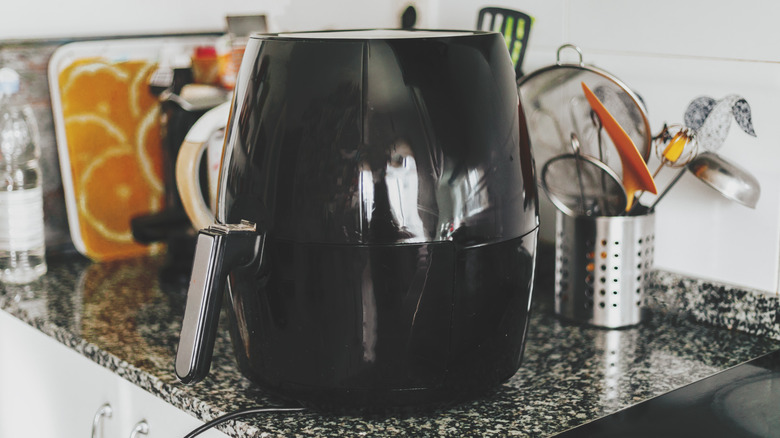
(236,414)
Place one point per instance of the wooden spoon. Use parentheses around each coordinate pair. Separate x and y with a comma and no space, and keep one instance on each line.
(636,175)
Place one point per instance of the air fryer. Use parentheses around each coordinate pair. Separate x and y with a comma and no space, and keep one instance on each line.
(376,221)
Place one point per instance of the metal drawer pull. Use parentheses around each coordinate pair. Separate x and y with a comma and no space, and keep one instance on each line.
(141,428)
(97,420)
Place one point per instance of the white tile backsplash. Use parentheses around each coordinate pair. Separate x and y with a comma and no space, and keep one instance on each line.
(79,18)
(549,17)
(693,28)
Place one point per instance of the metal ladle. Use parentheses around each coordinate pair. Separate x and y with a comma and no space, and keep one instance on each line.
(730,180)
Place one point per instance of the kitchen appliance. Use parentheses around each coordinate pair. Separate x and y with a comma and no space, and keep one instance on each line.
(181,106)
(204,139)
(376,220)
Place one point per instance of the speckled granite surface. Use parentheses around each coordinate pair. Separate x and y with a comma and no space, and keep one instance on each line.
(721,305)
(122,317)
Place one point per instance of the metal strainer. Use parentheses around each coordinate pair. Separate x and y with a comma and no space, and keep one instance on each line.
(552,97)
(582,185)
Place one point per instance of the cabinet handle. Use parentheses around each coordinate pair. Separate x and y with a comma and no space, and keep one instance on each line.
(142,428)
(97,420)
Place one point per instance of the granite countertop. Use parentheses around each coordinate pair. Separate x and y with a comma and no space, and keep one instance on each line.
(123,317)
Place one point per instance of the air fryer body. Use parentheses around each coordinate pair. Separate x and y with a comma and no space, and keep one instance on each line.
(392,180)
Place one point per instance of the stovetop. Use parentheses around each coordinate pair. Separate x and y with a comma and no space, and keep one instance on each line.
(743,401)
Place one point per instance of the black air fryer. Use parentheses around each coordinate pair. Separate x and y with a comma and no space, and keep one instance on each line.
(377,221)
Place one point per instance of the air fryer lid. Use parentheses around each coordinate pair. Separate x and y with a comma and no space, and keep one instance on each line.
(378,137)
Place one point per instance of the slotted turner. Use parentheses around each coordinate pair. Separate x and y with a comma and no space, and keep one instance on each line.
(514,25)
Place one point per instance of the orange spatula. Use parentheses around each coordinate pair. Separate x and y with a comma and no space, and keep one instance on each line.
(636,175)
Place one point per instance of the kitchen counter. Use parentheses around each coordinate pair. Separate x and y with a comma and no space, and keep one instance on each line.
(122,317)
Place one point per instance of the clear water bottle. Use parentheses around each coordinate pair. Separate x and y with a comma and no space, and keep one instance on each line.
(22,245)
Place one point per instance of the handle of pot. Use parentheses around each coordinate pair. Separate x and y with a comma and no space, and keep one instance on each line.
(188,165)
(220,249)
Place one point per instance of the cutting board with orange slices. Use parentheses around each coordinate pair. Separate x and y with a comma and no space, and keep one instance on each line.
(107,125)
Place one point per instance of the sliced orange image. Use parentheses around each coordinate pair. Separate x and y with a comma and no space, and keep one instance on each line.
(114,144)
(112,187)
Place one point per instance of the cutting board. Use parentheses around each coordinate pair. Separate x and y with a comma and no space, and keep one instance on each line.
(107,126)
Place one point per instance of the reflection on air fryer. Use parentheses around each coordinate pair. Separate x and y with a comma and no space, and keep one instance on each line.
(328,155)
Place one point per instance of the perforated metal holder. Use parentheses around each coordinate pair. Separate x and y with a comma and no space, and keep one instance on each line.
(601,267)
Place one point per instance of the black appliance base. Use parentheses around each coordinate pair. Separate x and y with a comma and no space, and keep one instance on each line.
(380,326)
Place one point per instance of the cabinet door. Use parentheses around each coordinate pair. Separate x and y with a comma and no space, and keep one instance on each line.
(164,419)
(47,389)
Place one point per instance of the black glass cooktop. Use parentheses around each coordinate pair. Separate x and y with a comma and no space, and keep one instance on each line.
(743,401)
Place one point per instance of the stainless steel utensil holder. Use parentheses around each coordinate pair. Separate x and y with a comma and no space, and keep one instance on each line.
(601,266)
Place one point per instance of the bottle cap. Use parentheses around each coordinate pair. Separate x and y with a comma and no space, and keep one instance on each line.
(205,52)
(9,81)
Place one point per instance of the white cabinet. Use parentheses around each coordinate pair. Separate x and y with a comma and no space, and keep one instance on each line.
(49,390)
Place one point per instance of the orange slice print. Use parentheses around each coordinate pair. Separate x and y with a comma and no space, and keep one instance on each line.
(115,151)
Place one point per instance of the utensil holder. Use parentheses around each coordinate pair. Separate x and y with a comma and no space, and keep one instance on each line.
(601,266)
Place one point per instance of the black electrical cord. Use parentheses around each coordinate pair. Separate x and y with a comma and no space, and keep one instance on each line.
(236,414)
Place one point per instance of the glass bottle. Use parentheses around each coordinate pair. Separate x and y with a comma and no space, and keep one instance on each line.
(22,244)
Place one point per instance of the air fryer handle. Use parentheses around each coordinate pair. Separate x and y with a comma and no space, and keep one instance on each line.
(220,248)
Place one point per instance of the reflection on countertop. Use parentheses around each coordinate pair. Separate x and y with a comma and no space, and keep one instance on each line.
(121,316)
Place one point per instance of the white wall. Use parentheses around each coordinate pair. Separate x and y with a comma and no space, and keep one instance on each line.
(76,18)
(695,28)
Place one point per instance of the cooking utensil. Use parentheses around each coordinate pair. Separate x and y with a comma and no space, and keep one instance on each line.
(556,92)
(674,149)
(597,192)
(601,267)
(206,135)
(597,124)
(515,26)
(575,145)
(636,176)
(727,178)
(680,148)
